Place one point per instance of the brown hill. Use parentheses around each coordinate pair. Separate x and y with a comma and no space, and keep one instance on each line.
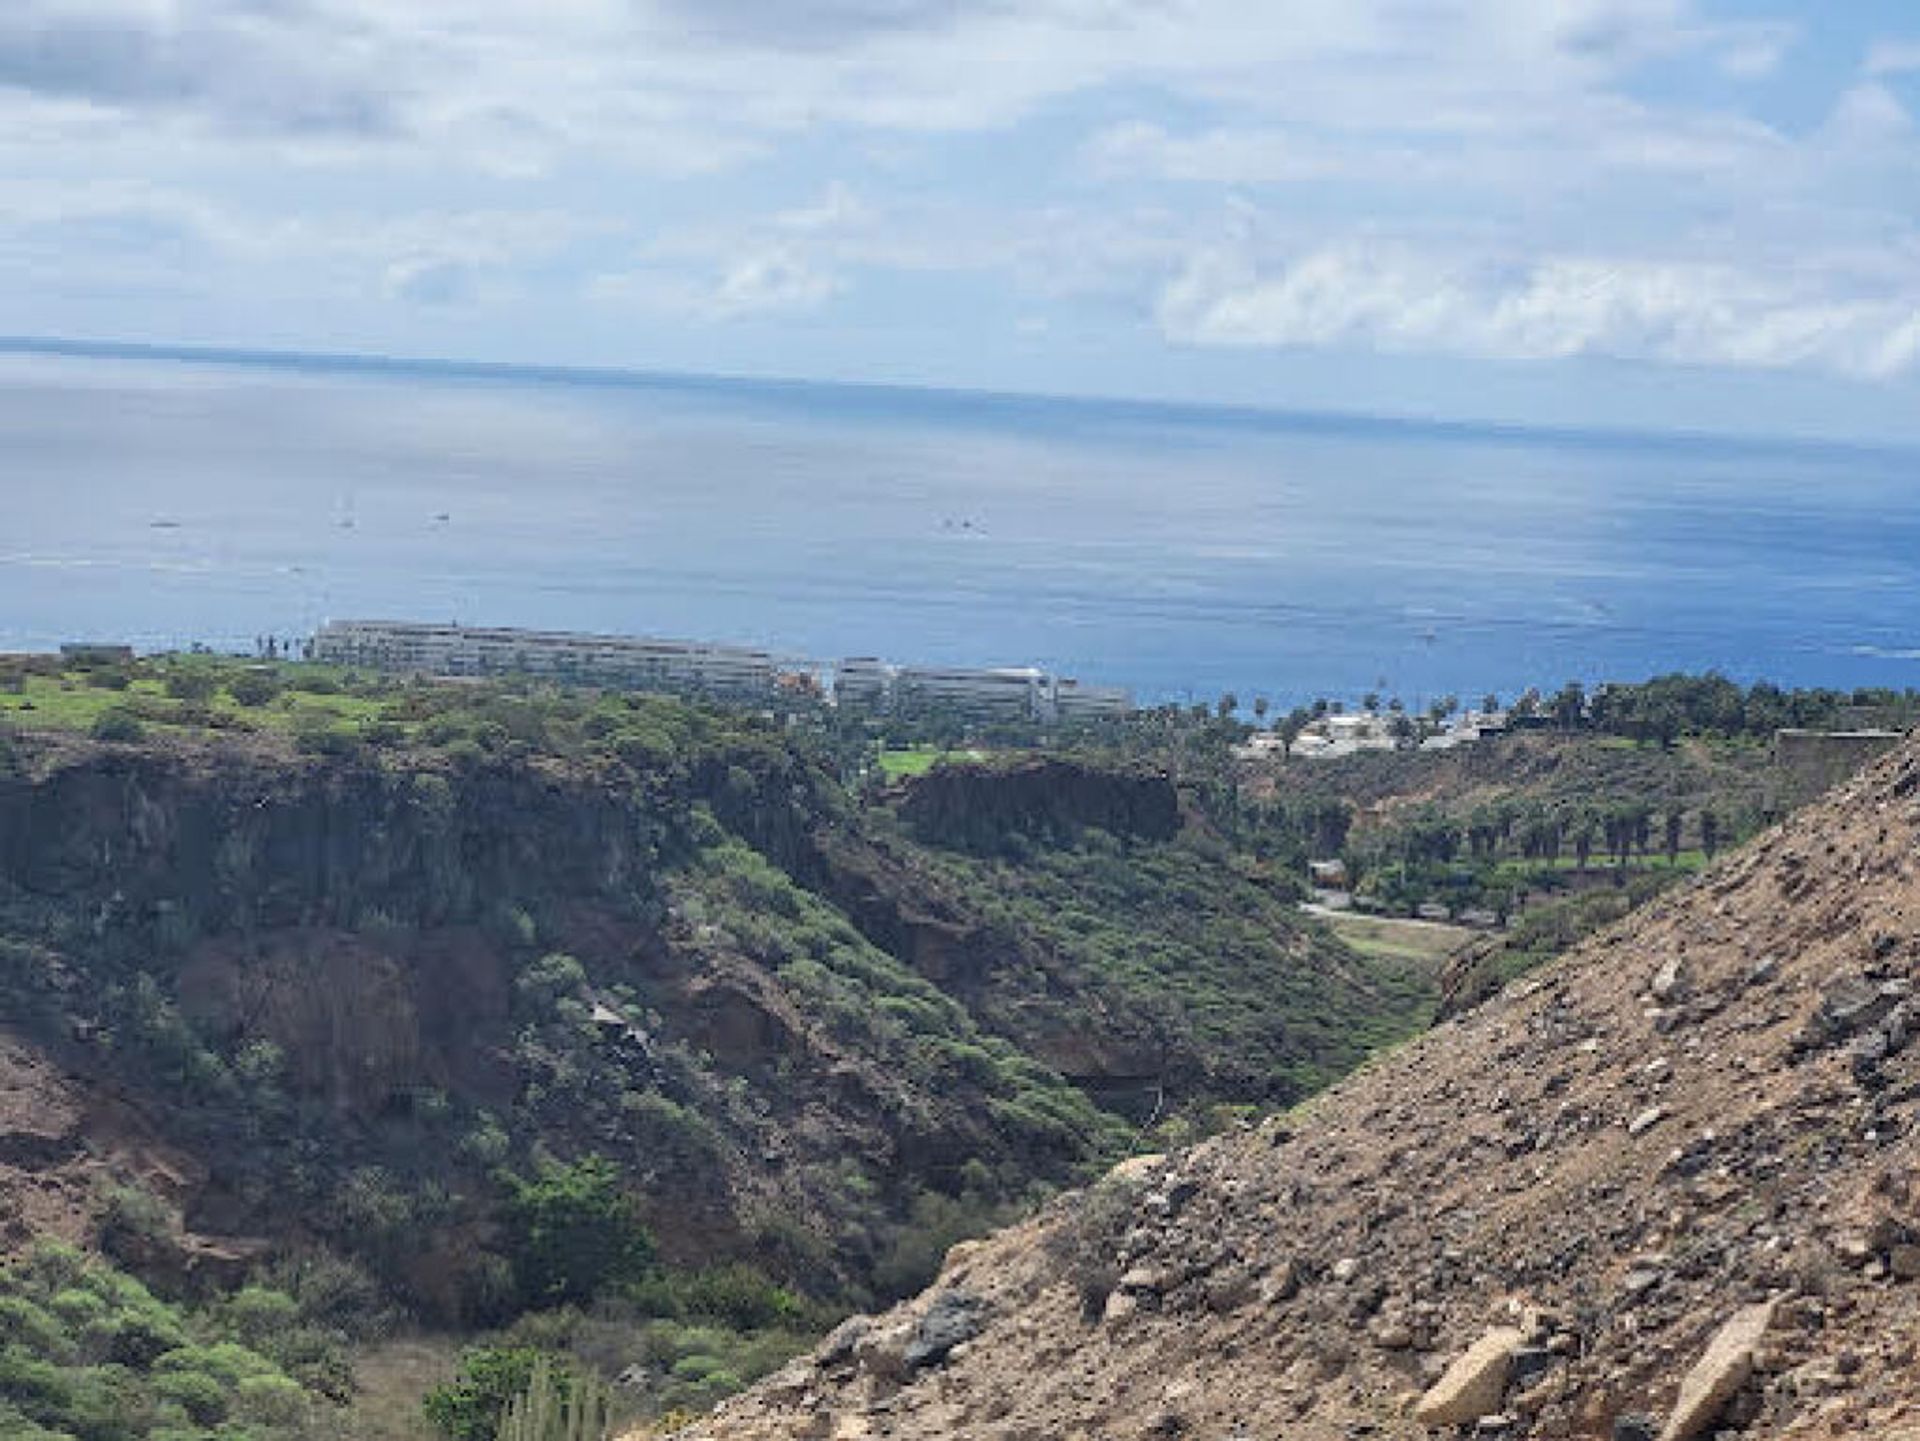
(1669,1188)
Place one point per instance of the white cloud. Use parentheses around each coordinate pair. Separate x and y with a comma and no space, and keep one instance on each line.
(1893,57)
(775,280)
(1396,300)
(770,280)
(1433,176)
(1869,114)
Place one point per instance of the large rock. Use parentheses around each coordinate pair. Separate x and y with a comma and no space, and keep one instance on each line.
(1473,1385)
(1722,1370)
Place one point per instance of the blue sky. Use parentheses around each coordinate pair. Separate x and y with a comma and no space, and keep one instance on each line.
(1698,213)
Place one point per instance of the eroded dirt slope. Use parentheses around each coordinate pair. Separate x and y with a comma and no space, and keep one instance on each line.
(1669,1188)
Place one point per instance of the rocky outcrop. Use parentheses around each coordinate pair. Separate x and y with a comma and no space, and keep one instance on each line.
(979,806)
(164,843)
(1669,1186)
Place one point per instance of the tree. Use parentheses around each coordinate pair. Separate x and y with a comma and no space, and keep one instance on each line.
(573,1230)
(1569,707)
(1710,833)
(191,683)
(1370,702)
(1584,832)
(1490,704)
(253,688)
(1228,704)
(1676,818)
(1290,729)
(1260,705)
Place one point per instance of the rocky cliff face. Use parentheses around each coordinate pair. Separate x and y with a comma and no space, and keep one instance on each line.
(1669,1188)
(1044,797)
(326,977)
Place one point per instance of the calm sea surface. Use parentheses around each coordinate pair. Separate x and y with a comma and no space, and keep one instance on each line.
(1182,552)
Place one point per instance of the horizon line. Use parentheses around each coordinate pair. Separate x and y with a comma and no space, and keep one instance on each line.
(784,386)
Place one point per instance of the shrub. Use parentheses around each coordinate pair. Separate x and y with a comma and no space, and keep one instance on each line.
(191,684)
(270,1400)
(118,724)
(201,1396)
(254,688)
(469,1409)
(572,1231)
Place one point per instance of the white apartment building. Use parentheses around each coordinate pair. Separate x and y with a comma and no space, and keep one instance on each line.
(1076,700)
(1020,691)
(558,655)
(638,661)
(863,681)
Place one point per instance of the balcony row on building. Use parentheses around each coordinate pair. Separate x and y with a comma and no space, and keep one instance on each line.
(645,663)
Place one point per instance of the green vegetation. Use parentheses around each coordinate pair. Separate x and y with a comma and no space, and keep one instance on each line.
(866,997)
(1207,951)
(909,761)
(573,1232)
(644,969)
(1418,943)
(89,1353)
(557,1407)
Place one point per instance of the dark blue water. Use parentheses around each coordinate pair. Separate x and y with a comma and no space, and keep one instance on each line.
(1180,551)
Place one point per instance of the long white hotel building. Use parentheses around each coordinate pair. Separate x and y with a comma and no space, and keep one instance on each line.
(644,663)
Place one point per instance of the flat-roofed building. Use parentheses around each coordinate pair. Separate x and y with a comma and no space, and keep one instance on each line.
(555,655)
(1013,691)
(863,681)
(1075,700)
(96,652)
(647,663)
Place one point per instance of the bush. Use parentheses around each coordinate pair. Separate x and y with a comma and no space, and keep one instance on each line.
(88,1352)
(572,1231)
(254,688)
(120,725)
(193,684)
(270,1400)
(201,1396)
(490,1377)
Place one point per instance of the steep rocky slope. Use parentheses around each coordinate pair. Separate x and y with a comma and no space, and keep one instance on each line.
(352,985)
(1669,1188)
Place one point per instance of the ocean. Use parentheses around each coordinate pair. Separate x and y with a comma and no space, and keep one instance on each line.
(1182,551)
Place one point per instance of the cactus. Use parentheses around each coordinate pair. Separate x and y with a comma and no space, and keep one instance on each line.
(558,1407)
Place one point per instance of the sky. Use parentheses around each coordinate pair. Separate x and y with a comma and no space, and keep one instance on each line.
(1701,214)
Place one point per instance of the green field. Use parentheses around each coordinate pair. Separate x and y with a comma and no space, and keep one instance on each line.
(1423,943)
(918,760)
(77,699)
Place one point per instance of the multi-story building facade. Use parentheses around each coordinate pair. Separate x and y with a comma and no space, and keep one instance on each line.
(1022,693)
(556,655)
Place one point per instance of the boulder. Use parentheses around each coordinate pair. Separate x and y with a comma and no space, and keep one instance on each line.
(1673,982)
(1475,1384)
(1725,1366)
(954,1317)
